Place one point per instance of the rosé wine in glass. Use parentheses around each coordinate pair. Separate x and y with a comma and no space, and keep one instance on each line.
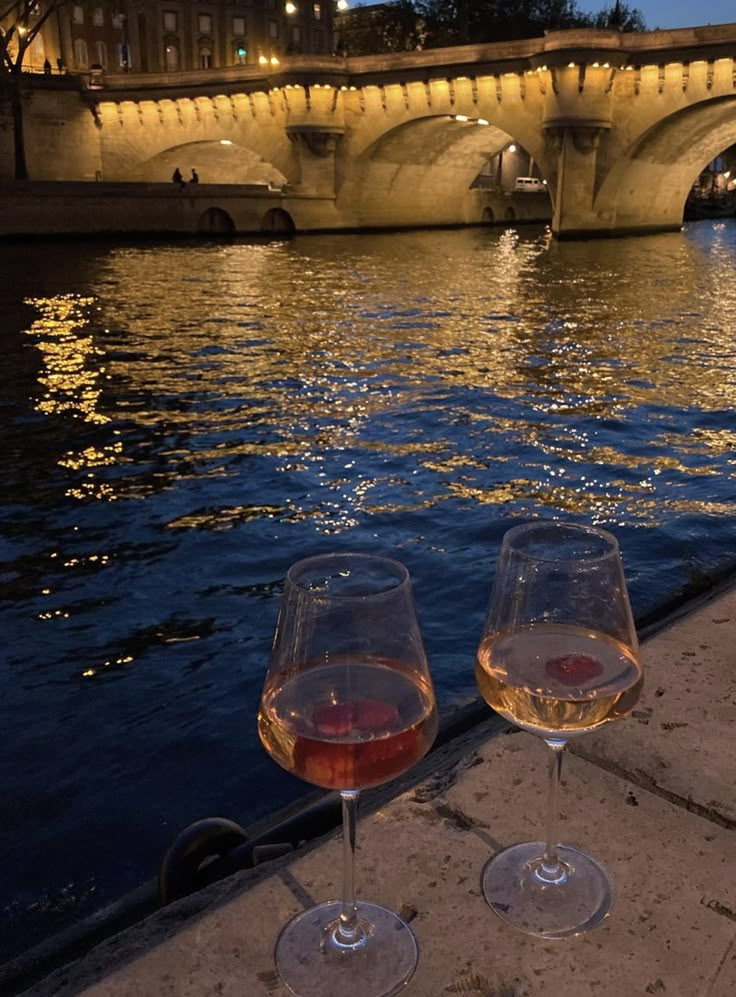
(347,703)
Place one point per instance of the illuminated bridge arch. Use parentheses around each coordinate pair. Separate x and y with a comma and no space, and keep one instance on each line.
(657,172)
(141,139)
(216,161)
(422,169)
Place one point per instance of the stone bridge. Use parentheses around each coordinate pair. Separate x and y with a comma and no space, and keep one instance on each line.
(620,125)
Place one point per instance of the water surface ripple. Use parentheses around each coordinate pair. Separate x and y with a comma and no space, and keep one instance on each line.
(181,422)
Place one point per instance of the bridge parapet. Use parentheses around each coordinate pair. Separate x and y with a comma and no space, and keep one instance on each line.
(586,46)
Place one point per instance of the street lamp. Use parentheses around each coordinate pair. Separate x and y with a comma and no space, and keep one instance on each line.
(290,7)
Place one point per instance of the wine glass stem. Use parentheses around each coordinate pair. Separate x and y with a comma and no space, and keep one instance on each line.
(551,870)
(348,931)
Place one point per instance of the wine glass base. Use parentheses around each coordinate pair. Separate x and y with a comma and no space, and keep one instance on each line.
(311,964)
(578,902)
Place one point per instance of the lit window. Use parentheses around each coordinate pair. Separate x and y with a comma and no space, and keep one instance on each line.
(98,17)
(170,20)
(296,34)
(205,58)
(78,14)
(171,57)
(80,53)
(118,20)
(123,56)
(241,55)
(317,11)
(238,25)
(273,29)
(101,52)
(205,24)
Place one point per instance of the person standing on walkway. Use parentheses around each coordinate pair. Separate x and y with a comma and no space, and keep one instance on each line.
(195,176)
(177,177)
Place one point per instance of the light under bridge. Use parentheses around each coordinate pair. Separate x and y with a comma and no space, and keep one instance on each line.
(619,124)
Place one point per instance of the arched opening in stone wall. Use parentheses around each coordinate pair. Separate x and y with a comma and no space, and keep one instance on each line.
(432,170)
(713,195)
(652,181)
(171,58)
(510,215)
(502,167)
(215,221)
(278,222)
(488,216)
(221,162)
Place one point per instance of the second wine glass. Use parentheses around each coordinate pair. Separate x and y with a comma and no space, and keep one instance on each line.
(558,657)
(347,704)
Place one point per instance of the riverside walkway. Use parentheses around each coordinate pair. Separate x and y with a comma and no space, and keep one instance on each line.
(654,797)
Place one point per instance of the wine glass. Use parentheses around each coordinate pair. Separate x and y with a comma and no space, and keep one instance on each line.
(558,657)
(347,703)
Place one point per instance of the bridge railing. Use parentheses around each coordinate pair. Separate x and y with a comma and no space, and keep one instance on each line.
(580,45)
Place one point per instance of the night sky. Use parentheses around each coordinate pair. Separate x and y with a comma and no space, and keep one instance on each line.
(679,13)
(658,13)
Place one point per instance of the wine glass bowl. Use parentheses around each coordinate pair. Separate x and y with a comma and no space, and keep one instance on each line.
(558,681)
(558,658)
(347,704)
(356,734)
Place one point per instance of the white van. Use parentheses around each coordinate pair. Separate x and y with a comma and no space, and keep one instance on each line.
(532,185)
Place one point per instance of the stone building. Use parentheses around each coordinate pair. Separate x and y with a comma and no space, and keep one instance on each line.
(163,36)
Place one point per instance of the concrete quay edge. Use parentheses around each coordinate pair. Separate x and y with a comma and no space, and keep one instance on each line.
(653,797)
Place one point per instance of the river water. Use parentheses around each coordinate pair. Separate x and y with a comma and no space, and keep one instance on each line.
(183,421)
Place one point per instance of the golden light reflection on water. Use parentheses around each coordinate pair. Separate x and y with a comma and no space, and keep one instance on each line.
(225,519)
(70,382)
(92,457)
(462,361)
(108,665)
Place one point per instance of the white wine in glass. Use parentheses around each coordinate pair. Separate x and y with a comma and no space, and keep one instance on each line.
(347,704)
(558,657)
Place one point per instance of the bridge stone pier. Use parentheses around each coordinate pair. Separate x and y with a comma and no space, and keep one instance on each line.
(620,125)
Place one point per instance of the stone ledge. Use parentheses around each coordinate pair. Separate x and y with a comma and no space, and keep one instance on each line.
(672,930)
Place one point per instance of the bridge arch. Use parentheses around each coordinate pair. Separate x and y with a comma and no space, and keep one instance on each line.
(277,221)
(421,169)
(216,161)
(215,221)
(656,173)
(137,138)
